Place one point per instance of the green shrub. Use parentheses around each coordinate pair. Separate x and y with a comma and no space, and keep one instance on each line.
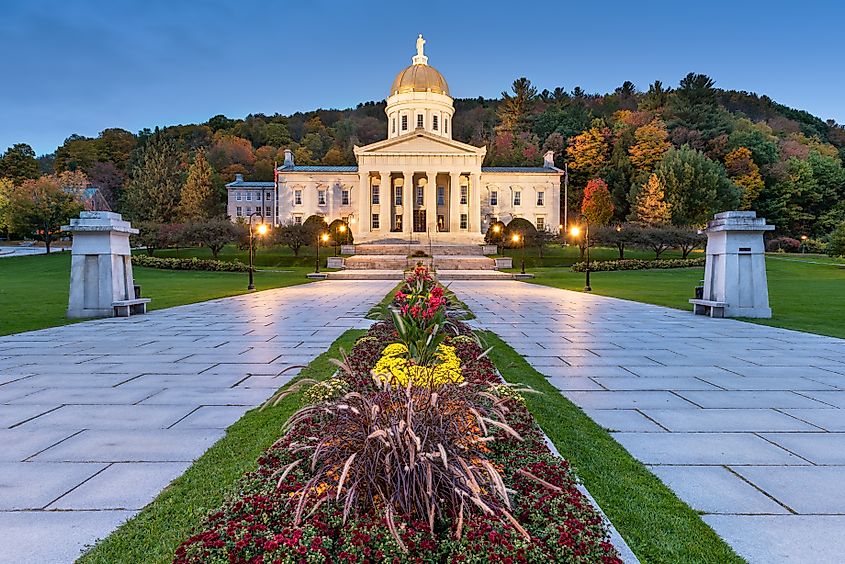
(836,245)
(192,263)
(637,264)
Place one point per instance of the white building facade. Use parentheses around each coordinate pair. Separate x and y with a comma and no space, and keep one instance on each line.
(417,181)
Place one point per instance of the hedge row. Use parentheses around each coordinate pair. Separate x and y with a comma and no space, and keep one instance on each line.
(637,264)
(192,263)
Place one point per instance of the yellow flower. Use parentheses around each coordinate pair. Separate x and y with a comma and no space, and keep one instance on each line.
(395,366)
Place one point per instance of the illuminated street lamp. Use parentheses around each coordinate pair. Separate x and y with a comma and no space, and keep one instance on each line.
(576,232)
(321,237)
(803,244)
(516,239)
(261,229)
(340,229)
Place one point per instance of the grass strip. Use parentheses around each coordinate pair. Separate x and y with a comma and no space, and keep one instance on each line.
(657,525)
(155,533)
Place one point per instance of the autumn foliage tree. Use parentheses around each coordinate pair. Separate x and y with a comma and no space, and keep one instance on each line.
(39,208)
(589,151)
(650,206)
(597,204)
(651,142)
(745,173)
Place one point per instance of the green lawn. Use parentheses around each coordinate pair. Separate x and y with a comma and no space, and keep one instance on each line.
(558,255)
(270,256)
(806,293)
(34,289)
(657,525)
(155,533)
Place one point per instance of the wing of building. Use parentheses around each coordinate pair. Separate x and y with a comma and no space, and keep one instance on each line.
(418,180)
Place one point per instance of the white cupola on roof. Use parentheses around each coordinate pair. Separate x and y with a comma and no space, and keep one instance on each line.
(419,99)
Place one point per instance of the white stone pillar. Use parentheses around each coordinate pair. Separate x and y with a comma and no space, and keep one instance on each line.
(363,203)
(431,202)
(455,202)
(474,204)
(101,264)
(407,201)
(386,199)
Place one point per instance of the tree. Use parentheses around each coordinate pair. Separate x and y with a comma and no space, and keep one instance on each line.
(149,236)
(597,204)
(495,233)
(153,192)
(836,245)
(650,206)
(211,233)
(6,188)
(19,163)
(341,236)
(515,109)
(589,151)
(696,187)
(198,200)
(110,180)
(651,142)
(40,207)
(524,229)
(294,236)
(745,173)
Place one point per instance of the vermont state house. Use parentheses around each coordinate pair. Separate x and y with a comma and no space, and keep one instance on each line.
(418,180)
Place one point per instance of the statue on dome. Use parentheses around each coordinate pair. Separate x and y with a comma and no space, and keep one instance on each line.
(420,43)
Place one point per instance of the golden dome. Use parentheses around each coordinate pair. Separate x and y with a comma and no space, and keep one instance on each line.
(419,78)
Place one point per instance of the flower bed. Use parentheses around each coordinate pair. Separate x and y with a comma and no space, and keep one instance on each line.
(192,263)
(435,461)
(637,264)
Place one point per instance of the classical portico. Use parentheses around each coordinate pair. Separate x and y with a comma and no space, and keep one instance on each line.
(418,183)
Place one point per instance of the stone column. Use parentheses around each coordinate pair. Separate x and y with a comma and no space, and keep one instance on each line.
(455,202)
(363,203)
(386,200)
(474,204)
(431,202)
(407,201)
(101,264)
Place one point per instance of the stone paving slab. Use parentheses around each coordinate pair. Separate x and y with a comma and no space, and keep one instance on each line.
(735,447)
(97,417)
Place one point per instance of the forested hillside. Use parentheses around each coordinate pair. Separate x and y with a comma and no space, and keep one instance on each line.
(705,148)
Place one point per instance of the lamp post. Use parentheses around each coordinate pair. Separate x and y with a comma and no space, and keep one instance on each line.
(497,229)
(340,229)
(803,244)
(262,230)
(576,231)
(516,239)
(321,238)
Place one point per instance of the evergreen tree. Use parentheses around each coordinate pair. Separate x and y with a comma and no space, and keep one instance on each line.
(198,201)
(19,163)
(650,206)
(836,245)
(696,187)
(516,108)
(597,204)
(153,192)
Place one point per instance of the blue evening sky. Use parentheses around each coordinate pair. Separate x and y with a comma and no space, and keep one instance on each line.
(82,66)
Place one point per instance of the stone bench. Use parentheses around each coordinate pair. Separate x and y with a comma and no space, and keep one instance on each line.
(125,308)
(708,307)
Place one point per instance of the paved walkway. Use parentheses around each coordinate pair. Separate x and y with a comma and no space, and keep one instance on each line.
(746,423)
(97,418)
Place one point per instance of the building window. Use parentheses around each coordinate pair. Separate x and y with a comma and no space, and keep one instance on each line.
(517,198)
(541,198)
(297,197)
(268,195)
(238,196)
(541,223)
(321,197)
(434,123)
(463,221)
(419,121)
(248,210)
(420,198)
(375,194)
(297,220)
(441,195)
(445,125)
(464,193)
(397,195)
(344,197)
(405,123)
(494,197)
(239,211)
(249,196)
(393,121)
(268,211)
(375,221)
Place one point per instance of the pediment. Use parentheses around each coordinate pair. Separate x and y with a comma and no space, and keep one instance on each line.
(420,143)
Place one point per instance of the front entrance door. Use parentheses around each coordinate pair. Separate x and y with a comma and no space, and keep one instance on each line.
(419,221)
(441,222)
